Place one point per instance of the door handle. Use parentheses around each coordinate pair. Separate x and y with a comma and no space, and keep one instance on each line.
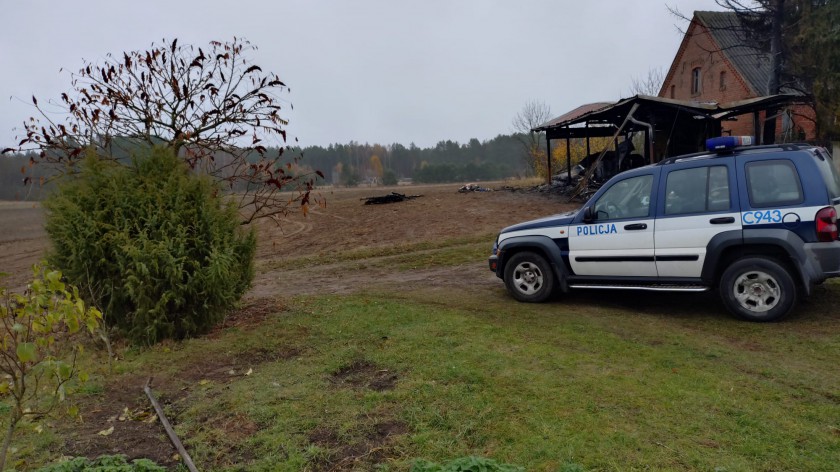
(722,220)
(636,226)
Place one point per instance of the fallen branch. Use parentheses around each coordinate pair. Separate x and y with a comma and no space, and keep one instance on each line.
(169,430)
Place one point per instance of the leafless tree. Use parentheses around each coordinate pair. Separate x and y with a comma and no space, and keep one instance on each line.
(649,84)
(214,108)
(532,115)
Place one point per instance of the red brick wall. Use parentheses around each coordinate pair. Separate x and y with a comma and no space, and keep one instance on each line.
(699,50)
(798,127)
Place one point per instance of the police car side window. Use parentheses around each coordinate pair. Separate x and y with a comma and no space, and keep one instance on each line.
(697,190)
(629,198)
(773,183)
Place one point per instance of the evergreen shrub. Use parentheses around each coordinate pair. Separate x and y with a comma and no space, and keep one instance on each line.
(155,246)
(117,463)
(465,464)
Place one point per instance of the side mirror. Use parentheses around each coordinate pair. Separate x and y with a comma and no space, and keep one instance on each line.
(588,215)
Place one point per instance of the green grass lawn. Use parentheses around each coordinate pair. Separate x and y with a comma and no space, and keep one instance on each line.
(600,381)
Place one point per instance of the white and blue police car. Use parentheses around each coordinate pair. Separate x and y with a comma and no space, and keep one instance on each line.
(757,223)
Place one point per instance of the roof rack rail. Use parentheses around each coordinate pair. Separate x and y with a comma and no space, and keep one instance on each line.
(737,150)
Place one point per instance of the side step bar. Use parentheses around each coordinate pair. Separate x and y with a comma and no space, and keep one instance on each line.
(650,288)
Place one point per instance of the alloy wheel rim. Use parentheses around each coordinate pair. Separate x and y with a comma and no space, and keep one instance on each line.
(528,278)
(757,291)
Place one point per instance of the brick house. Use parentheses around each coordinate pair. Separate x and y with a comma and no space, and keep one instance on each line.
(715,64)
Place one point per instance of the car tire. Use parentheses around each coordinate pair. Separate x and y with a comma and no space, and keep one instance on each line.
(529,277)
(758,289)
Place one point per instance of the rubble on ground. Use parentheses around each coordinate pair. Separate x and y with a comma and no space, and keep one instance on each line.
(473,188)
(558,187)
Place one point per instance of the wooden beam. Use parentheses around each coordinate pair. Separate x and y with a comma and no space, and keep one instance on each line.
(588,152)
(569,160)
(548,156)
(584,182)
(583,132)
(185,456)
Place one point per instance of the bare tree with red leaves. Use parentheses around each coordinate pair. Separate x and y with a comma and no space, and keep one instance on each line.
(214,108)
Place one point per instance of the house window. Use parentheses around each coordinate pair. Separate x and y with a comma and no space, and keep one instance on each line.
(722,80)
(673,90)
(695,81)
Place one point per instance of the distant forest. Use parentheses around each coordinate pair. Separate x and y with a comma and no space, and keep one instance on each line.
(447,161)
(345,164)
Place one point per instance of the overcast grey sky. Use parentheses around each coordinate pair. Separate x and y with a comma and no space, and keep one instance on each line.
(365,70)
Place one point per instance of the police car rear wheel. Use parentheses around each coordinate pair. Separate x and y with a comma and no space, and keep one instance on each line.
(529,278)
(758,289)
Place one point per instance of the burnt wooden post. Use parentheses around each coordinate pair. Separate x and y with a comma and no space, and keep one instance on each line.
(588,152)
(548,157)
(569,154)
(650,139)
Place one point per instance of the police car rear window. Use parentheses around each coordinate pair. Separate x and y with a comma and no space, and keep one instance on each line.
(773,183)
(829,173)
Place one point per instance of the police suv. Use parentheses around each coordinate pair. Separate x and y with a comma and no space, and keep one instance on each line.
(757,223)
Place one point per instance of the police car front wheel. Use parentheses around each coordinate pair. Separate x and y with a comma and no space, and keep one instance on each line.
(529,278)
(758,289)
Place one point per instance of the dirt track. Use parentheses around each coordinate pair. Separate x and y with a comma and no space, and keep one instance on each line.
(345,224)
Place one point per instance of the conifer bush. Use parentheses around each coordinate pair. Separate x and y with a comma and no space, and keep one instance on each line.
(118,463)
(155,246)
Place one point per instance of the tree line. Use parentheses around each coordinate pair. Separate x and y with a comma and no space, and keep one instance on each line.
(446,161)
(347,164)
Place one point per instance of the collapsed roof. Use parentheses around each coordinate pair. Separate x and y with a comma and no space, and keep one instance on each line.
(674,126)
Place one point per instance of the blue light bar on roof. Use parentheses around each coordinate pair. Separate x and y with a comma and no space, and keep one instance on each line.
(725,143)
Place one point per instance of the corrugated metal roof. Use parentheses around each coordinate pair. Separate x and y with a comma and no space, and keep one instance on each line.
(606,111)
(694,104)
(577,113)
(750,105)
(600,111)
